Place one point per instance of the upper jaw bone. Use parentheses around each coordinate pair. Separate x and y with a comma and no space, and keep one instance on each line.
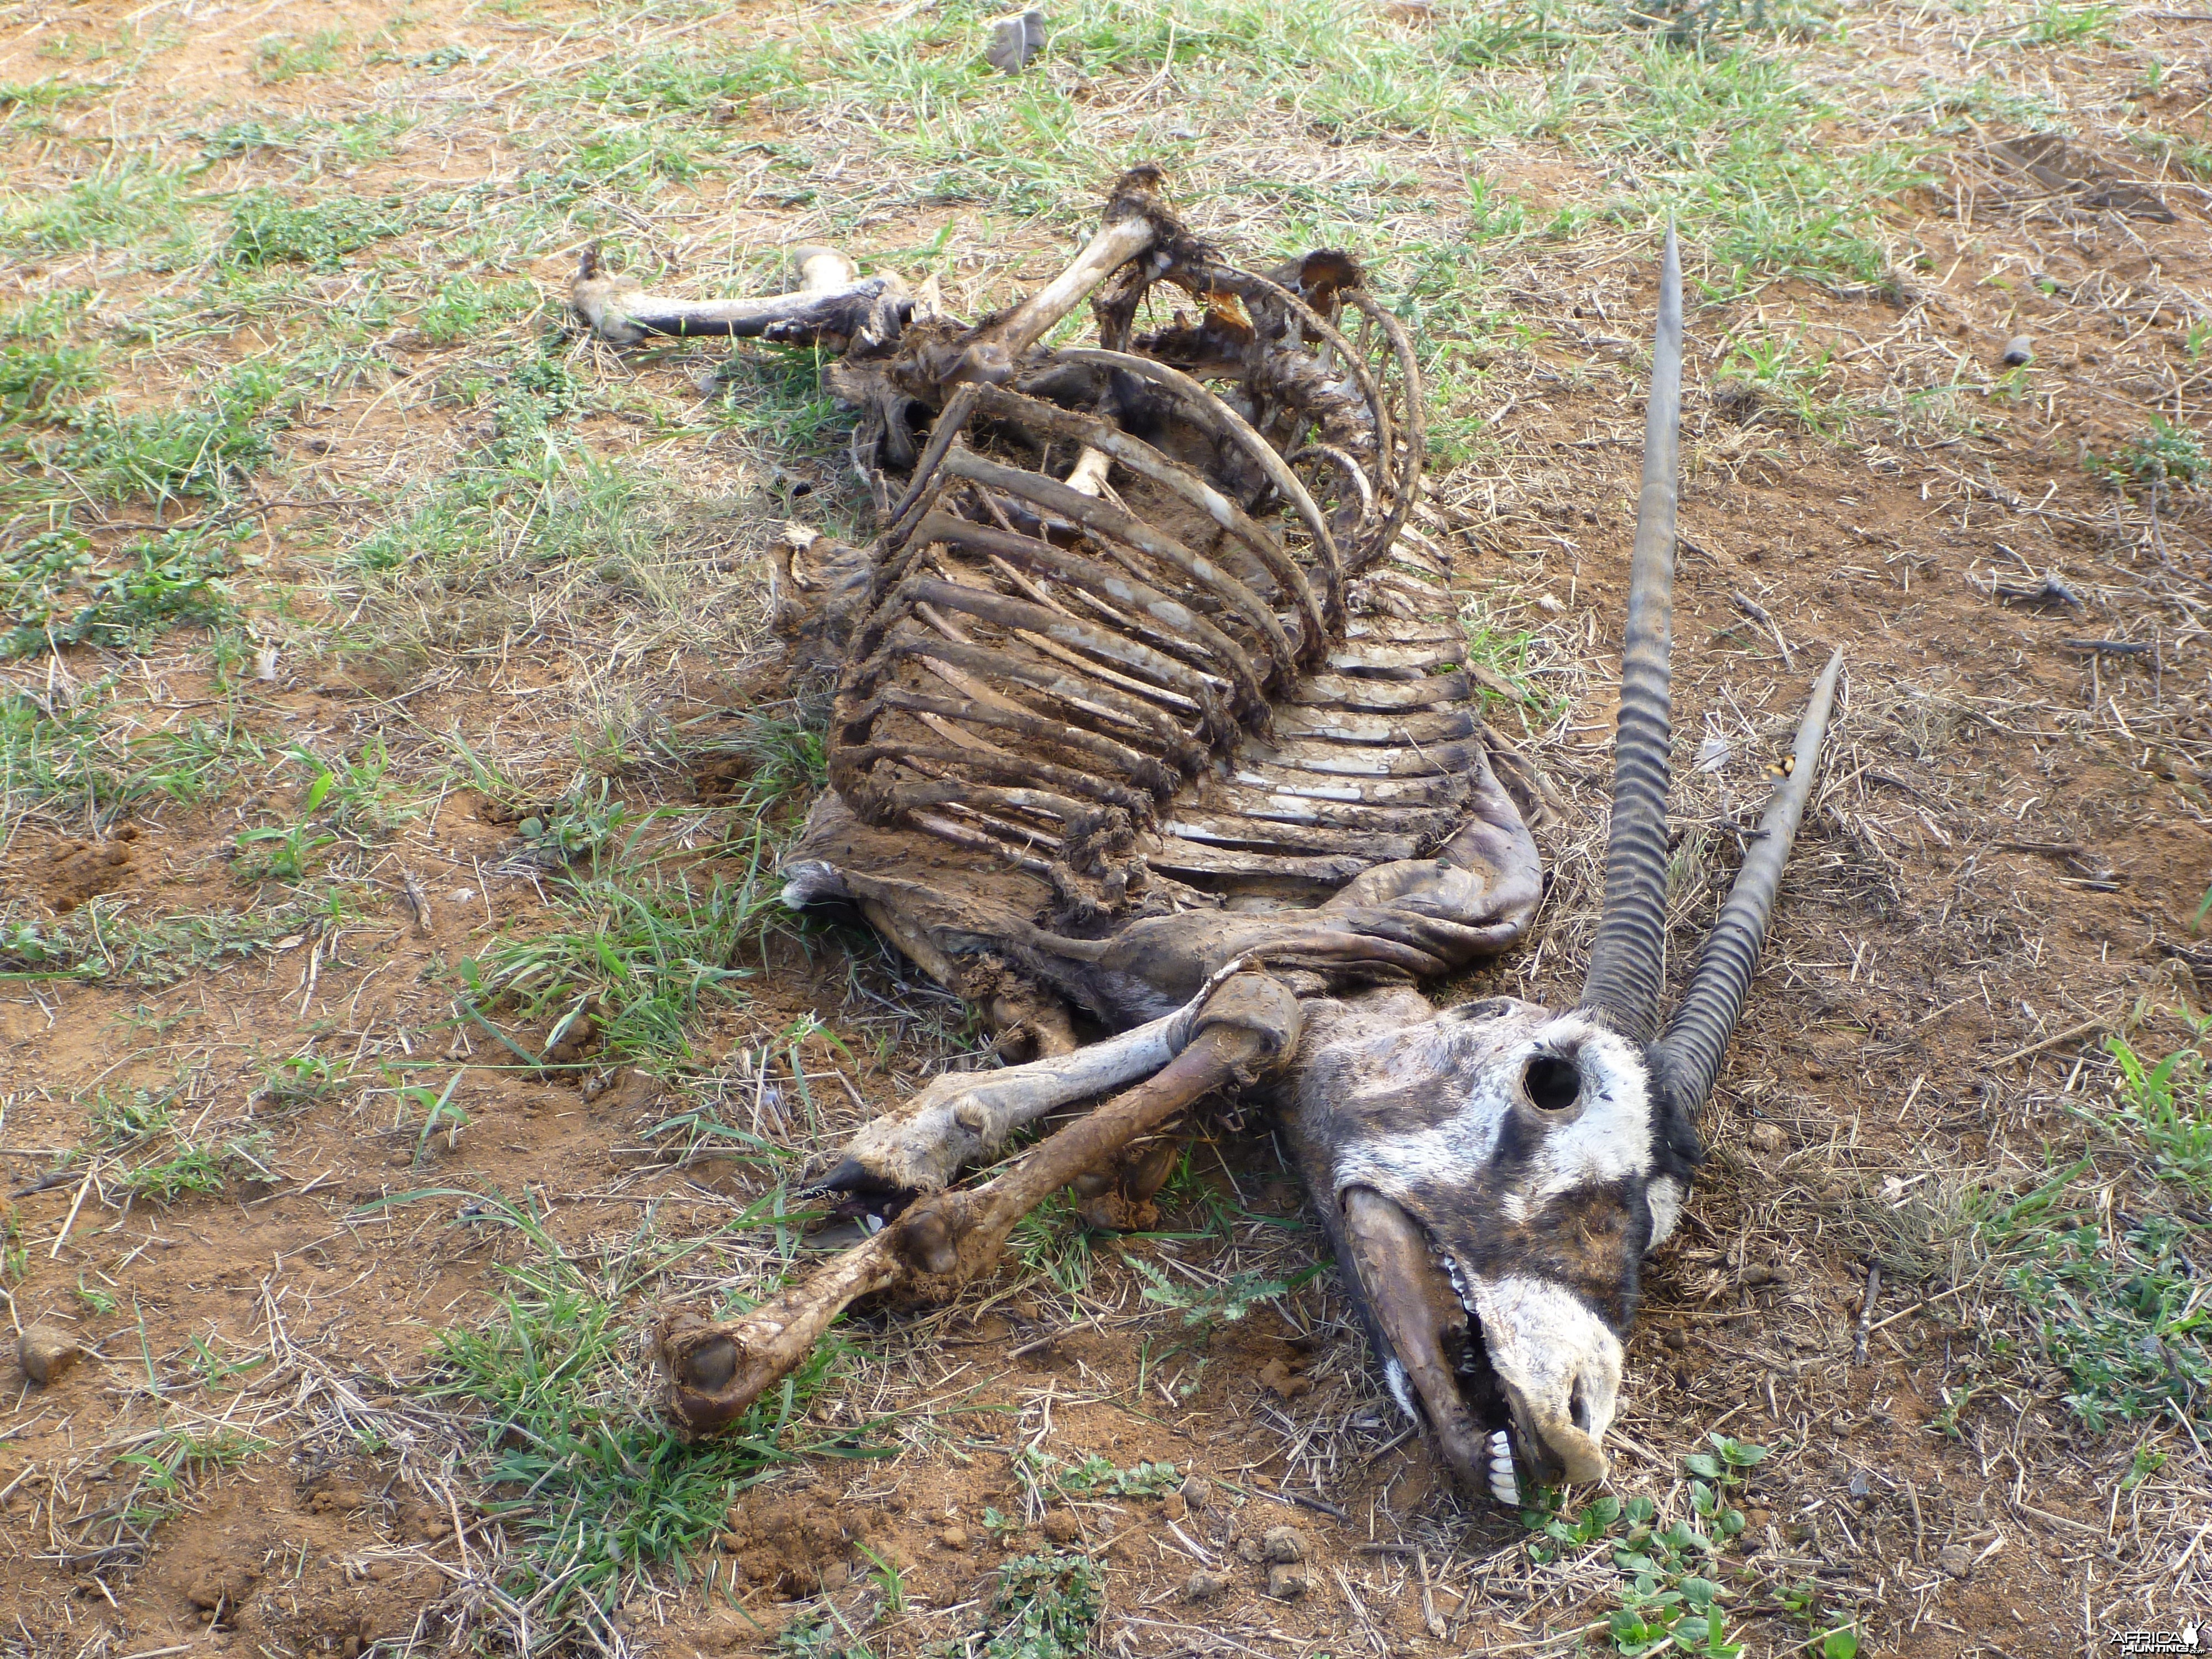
(1547,1348)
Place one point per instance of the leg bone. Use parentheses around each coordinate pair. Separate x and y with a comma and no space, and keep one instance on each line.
(1247,1028)
(962,1117)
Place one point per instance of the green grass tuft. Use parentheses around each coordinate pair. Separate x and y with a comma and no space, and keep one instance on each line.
(577,1461)
(265,229)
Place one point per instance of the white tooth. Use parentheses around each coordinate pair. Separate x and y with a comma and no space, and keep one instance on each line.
(1499,1445)
(1502,1488)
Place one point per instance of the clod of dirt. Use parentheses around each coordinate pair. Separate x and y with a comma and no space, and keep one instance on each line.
(222,1588)
(1283,1545)
(1062,1527)
(1279,1378)
(1194,1492)
(2018,349)
(1769,1138)
(1172,1507)
(952,1538)
(1203,1586)
(1956,1559)
(1285,1582)
(47,1353)
(792,1546)
(78,871)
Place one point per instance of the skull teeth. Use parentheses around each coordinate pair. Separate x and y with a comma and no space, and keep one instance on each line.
(1503,1485)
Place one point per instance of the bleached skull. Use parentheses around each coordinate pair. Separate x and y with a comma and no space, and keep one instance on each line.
(1493,1176)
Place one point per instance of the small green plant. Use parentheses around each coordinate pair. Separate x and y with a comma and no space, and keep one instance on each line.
(1045,1608)
(168,1463)
(2161,453)
(207,1167)
(294,1084)
(584,823)
(53,591)
(2055,24)
(1670,1602)
(355,793)
(1224,1303)
(594,1487)
(439,1112)
(2147,1460)
(891,1581)
(2121,1316)
(99,1302)
(2169,1105)
(1097,1476)
(280,852)
(120,1122)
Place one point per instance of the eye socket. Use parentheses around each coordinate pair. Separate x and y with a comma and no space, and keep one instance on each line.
(1552,1084)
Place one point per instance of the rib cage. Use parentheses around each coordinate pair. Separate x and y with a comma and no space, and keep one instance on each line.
(1146,621)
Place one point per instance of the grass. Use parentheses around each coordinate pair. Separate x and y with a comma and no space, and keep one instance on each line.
(651,949)
(2116,1299)
(265,229)
(578,1465)
(99,944)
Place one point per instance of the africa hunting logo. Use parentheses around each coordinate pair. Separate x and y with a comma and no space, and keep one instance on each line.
(2187,1639)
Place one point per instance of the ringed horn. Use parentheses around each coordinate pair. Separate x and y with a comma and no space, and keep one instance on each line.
(1628,958)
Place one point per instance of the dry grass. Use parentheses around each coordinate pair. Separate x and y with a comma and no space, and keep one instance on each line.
(306,476)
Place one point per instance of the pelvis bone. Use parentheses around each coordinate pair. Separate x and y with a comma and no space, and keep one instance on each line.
(1148,708)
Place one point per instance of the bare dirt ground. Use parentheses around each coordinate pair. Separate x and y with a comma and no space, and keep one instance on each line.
(397,1014)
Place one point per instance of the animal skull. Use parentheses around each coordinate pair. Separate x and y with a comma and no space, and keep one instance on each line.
(1124,680)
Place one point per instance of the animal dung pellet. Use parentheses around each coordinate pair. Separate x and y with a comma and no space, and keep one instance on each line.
(1283,1544)
(1287,1581)
(1203,1586)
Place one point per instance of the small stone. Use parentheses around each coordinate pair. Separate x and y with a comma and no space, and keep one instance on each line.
(1172,1507)
(1769,1138)
(1062,1527)
(1676,1340)
(1283,1544)
(47,1354)
(1956,1559)
(1194,1492)
(952,1538)
(1203,1586)
(2019,349)
(1287,1581)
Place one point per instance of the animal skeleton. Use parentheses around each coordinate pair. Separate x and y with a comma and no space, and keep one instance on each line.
(1147,705)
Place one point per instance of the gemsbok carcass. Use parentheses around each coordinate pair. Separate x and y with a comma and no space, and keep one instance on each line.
(1150,712)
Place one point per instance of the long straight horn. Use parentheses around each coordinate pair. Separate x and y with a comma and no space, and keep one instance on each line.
(1628,960)
(1689,1056)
